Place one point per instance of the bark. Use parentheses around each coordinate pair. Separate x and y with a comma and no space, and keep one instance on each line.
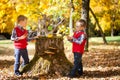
(71,19)
(49,58)
(112,30)
(85,16)
(101,31)
(112,24)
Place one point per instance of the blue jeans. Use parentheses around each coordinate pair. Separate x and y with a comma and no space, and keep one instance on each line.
(78,67)
(18,54)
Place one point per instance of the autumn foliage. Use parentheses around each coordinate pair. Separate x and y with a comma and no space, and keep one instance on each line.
(106,11)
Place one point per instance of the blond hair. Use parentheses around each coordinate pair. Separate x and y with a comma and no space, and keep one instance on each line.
(21,18)
(82,22)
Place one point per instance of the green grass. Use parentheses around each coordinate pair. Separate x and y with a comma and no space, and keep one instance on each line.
(115,39)
(92,39)
(109,39)
(6,42)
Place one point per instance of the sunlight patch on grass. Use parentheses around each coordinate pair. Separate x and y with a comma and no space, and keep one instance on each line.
(107,47)
(115,39)
(7,57)
(100,68)
(6,42)
(109,39)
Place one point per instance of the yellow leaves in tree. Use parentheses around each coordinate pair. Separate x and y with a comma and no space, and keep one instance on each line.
(10,9)
(2,13)
(6,11)
(2,27)
(44,4)
(57,8)
(21,8)
(104,10)
(64,30)
(105,22)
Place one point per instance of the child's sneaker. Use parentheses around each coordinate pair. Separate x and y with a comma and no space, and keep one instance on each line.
(18,74)
(71,76)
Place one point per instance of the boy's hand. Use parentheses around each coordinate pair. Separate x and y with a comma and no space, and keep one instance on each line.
(23,36)
(69,38)
(35,37)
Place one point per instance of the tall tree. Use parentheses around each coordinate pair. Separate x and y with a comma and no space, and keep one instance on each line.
(107,12)
(71,19)
(114,11)
(85,16)
(102,33)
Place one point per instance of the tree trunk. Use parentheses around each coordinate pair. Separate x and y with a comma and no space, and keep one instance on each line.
(71,19)
(85,16)
(112,30)
(49,58)
(112,24)
(104,39)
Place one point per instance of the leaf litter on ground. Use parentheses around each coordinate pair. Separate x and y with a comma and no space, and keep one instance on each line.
(102,62)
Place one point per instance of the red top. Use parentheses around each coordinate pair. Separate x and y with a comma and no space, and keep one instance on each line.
(79,47)
(20,44)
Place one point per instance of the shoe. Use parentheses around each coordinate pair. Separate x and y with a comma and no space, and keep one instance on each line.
(18,74)
(80,73)
(71,76)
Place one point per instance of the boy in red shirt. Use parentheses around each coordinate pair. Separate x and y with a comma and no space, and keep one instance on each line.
(19,36)
(78,42)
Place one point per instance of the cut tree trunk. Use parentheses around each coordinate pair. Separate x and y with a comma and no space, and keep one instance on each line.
(49,58)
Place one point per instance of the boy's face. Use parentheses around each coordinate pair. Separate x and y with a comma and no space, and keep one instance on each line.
(79,27)
(23,23)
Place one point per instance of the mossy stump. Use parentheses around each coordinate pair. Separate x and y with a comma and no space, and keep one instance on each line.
(49,58)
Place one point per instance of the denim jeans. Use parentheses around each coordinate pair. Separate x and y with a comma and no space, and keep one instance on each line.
(18,54)
(78,67)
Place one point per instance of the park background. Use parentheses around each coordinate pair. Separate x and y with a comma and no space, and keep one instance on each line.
(103,60)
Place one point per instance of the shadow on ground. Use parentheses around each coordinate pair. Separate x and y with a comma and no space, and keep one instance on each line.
(6,63)
(100,74)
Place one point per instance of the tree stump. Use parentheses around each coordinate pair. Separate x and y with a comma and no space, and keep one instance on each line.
(49,58)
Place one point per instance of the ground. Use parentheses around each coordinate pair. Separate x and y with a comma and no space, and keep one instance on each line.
(102,62)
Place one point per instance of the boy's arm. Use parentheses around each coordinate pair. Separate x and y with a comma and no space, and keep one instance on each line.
(15,38)
(70,38)
(79,40)
(32,36)
(23,36)
(14,35)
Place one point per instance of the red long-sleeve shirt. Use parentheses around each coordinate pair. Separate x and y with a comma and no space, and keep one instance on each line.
(17,32)
(78,42)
